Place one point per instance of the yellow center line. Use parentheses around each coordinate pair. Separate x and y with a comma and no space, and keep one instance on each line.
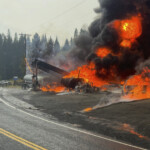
(21,140)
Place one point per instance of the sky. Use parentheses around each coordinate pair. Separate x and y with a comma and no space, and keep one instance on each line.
(51,17)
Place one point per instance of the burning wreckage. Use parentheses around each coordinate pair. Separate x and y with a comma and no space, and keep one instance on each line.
(116,49)
(77,84)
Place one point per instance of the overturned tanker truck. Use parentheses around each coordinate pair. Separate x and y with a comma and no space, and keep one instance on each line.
(70,83)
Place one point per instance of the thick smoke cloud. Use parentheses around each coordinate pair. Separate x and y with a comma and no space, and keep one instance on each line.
(83,47)
(101,34)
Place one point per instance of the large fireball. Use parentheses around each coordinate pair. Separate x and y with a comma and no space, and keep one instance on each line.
(131,28)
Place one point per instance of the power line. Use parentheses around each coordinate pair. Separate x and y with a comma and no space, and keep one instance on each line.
(65,12)
(73,21)
(70,9)
(68,23)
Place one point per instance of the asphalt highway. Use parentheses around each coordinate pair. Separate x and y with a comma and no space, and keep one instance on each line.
(21,131)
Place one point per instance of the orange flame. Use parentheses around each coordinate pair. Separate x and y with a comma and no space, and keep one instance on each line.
(138,86)
(88,73)
(87,109)
(28,65)
(102,52)
(126,43)
(128,128)
(54,88)
(131,28)
(128,30)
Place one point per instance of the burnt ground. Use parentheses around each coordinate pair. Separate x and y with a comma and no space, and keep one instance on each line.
(122,121)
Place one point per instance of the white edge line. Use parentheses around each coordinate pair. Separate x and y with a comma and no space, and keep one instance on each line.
(74,129)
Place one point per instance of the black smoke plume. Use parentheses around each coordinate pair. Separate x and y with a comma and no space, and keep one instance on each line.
(100,34)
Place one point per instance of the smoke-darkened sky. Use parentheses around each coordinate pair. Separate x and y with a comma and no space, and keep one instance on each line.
(53,17)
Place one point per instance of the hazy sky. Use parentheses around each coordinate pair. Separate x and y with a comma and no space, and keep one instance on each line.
(51,17)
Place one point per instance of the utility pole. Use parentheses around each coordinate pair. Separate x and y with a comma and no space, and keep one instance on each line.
(26,35)
(35,76)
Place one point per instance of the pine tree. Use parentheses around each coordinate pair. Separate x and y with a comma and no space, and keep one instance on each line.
(1,56)
(16,38)
(9,38)
(71,43)
(66,46)
(8,55)
(12,56)
(76,33)
(21,54)
(82,31)
(36,46)
(56,47)
(16,51)
(43,45)
(50,48)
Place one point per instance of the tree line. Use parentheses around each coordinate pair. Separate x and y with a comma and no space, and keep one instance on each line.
(12,53)
(42,47)
(14,49)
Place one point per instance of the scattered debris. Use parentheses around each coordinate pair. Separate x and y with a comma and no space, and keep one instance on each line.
(86,88)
